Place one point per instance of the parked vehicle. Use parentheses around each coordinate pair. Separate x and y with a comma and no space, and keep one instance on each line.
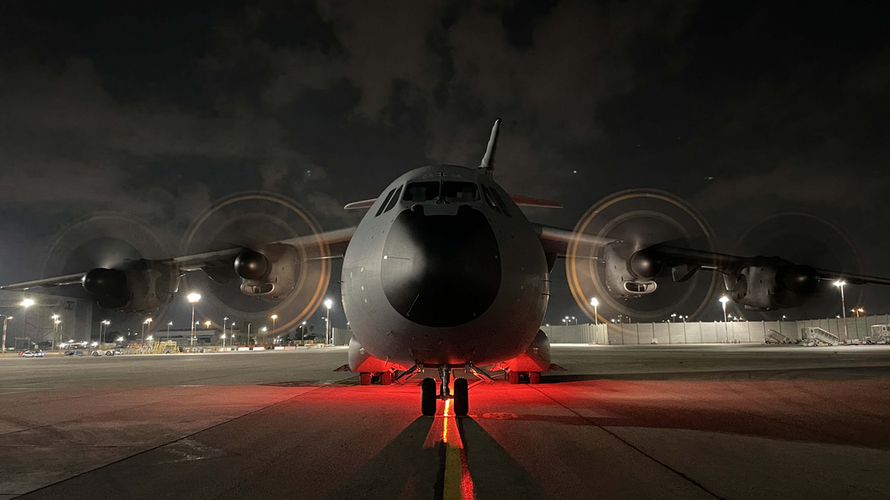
(32,354)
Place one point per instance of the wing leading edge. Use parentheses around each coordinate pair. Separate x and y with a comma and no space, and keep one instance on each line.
(334,244)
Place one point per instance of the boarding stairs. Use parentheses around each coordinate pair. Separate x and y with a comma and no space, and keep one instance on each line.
(814,336)
(775,337)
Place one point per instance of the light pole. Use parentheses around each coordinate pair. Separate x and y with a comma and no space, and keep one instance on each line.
(264,330)
(144,323)
(274,317)
(596,320)
(26,303)
(303,333)
(225,321)
(3,344)
(193,299)
(248,333)
(169,324)
(723,300)
(55,329)
(685,338)
(327,322)
(840,284)
(232,333)
(103,327)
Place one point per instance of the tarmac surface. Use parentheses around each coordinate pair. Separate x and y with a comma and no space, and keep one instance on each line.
(709,421)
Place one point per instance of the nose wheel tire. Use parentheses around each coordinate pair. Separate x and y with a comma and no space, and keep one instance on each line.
(386,378)
(428,397)
(461,399)
(365,378)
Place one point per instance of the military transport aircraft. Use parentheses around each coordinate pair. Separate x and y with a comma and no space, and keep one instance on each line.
(445,272)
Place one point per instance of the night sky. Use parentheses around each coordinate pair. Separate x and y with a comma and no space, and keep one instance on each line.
(751,111)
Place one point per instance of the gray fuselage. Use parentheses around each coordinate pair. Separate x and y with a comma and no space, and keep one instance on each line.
(445,269)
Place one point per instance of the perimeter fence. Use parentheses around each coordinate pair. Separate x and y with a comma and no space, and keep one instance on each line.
(704,332)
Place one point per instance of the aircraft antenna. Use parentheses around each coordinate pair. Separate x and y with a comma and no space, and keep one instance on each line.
(487,164)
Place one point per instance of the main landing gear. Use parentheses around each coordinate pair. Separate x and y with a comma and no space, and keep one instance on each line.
(460,397)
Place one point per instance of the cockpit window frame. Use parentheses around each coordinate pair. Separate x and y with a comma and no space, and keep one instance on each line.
(394,200)
(494,200)
(385,202)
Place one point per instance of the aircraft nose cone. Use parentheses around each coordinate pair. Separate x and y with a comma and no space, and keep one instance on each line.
(441,270)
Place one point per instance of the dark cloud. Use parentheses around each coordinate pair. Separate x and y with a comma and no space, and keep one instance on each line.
(159,109)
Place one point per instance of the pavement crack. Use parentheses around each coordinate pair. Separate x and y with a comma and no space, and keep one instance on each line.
(632,446)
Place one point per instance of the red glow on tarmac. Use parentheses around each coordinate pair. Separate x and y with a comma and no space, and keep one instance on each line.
(458,484)
(445,422)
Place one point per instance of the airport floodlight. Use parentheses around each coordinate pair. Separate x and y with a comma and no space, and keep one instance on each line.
(9,317)
(148,321)
(150,338)
(225,318)
(57,321)
(120,339)
(724,299)
(328,303)
(27,303)
(264,329)
(170,324)
(840,285)
(304,323)
(193,298)
(207,323)
(594,302)
(55,316)
(274,316)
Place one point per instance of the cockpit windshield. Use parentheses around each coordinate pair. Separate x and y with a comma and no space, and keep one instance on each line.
(459,192)
(422,191)
(447,191)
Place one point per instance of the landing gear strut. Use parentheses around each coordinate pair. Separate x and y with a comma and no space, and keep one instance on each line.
(428,393)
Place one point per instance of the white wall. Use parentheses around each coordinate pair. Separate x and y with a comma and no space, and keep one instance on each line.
(705,332)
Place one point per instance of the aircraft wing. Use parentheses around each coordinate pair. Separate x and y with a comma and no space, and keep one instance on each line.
(853,279)
(335,243)
(556,240)
(669,256)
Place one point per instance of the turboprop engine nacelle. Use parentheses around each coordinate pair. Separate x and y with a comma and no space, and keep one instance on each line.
(135,286)
(270,272)
(768,283)
(621,282)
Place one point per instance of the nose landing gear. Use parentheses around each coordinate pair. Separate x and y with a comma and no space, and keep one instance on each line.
(428,393)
